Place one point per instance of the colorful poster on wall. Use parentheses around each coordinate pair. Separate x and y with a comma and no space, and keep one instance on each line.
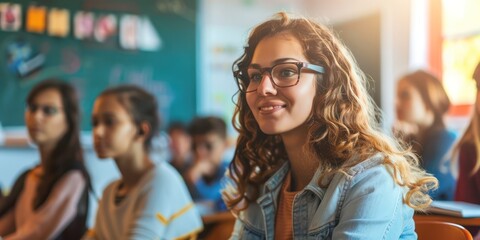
(23,58)
(11,17)
(58,22)
(83,25)
(128,31)
(36,19)
(138,33)
(105,28)
(149,39)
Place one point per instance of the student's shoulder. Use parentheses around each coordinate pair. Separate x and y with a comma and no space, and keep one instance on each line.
(370,176)
(74,174)
(371,163)
(448,135)
(165,170)
(451,132)
(372,168)
(110,188)
(167,174)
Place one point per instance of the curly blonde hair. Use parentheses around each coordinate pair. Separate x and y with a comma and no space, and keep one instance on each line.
(342,123)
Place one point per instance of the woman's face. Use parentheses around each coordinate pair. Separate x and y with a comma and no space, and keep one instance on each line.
(281,110)
(409,105)
(113,128)
(45,119)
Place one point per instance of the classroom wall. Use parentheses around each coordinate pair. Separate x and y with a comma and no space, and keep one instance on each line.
(162,57)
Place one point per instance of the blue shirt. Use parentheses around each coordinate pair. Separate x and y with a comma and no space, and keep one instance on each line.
(437,144)
(211,190)
(365,203)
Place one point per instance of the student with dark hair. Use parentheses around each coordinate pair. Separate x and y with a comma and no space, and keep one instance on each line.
(180,146)
(205,178)
(150,200)
(421,105)
(50,201)
(311,161)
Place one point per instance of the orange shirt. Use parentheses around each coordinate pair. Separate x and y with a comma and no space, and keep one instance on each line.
(284,218)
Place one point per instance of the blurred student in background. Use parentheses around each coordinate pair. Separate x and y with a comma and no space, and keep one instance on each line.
(467,150)
(205,178)
(421,106)
(50,201)
(180,147)
(150,200)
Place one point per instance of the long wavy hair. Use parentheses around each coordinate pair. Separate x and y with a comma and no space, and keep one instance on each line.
(472,132)
(342,123)
(68,153)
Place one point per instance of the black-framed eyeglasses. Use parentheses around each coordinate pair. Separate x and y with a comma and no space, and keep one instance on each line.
(48,110)
(281,75)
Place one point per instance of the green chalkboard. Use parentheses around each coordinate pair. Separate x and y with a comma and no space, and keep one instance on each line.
(169,71)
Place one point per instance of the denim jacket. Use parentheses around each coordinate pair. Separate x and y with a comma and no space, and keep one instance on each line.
(364,203)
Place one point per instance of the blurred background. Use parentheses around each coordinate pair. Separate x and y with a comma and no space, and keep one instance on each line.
(182,51)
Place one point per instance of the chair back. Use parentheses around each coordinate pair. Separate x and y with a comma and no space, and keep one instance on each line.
(436,230)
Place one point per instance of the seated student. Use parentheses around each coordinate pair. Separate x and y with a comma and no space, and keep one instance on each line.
(205,177)
(180,147)
(150,200)
(50,201)
(311,161)
(468,149)
(421,106)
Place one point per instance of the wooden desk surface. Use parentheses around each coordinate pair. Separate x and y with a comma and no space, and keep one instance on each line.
(445,218)
(218,226)
(218,217)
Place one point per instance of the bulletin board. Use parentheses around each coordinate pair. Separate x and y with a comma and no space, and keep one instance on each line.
(165,66)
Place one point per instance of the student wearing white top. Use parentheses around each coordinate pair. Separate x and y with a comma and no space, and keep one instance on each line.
(150,201)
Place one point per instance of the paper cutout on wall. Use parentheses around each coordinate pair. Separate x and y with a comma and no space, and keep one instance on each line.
(36,19)
(138,33)
(83,25)
(10,16)
(58,22)
(128,31)
(149,40)
(105,27)
(22,58)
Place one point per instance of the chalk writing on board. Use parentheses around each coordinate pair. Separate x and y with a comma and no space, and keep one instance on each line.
(178,7)
(144,77)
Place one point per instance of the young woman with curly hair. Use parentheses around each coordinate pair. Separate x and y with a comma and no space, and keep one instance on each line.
(311,160)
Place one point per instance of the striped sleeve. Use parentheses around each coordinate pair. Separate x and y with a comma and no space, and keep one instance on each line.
(165,209)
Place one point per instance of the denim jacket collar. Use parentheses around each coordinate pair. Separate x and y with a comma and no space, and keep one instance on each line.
(274,182)
(317,210)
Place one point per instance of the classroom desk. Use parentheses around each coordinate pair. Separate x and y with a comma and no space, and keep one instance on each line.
(218,226)
(445,218)
(218,217)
